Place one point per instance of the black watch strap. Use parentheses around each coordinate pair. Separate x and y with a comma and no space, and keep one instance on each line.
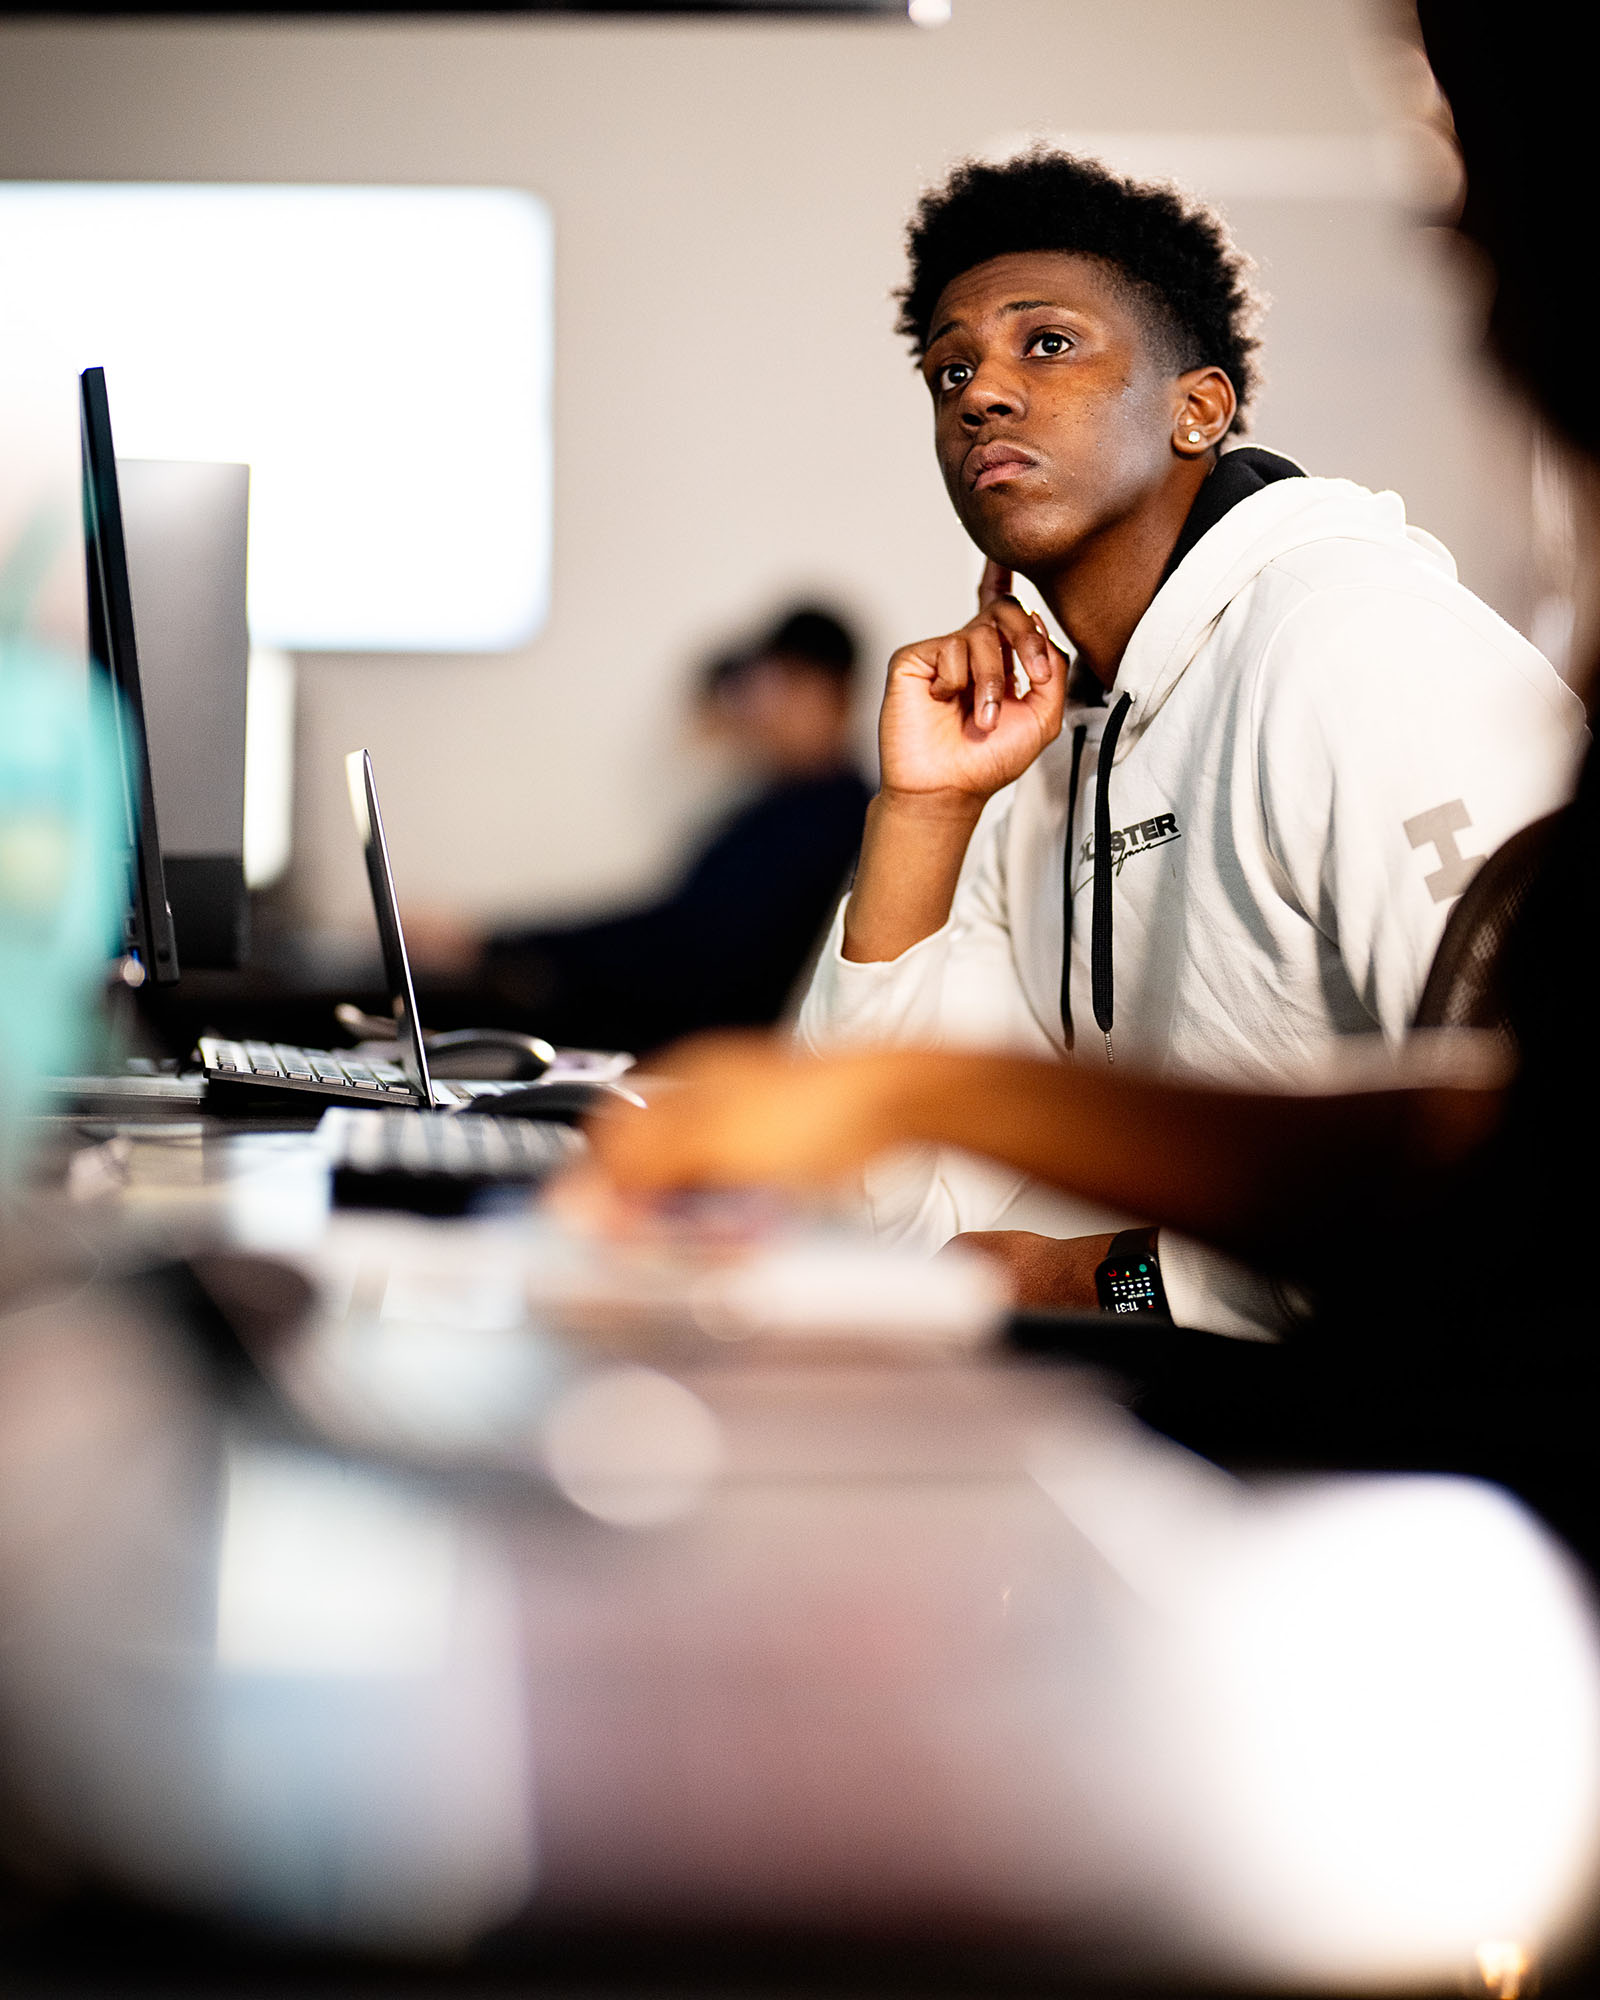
(1129,1280)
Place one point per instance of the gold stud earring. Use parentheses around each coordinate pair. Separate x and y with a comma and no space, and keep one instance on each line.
(1194,437)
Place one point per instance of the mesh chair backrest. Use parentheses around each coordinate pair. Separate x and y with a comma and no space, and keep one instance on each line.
(1465,986)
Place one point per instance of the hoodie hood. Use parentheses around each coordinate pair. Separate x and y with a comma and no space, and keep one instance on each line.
(1260,530)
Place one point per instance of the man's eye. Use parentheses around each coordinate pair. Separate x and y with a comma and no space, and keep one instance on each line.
(1049,343)
(953,375)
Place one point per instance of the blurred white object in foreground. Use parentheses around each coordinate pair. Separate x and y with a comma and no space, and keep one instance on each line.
(1396,1751)
(1365,1713)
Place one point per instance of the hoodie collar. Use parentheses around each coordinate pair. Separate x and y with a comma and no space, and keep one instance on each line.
(1234,477)
(1255,531)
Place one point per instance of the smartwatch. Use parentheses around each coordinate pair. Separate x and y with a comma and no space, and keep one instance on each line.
(1129,1280)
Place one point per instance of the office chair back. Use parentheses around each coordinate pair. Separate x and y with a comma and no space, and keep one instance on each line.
(1465,988)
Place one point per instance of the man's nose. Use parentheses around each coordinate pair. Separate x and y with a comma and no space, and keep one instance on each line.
(992,392)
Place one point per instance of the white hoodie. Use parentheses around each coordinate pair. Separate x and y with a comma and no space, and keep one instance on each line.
(1325,733)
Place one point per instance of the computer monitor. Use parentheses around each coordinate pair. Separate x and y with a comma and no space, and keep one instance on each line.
(185,529)
(148,934)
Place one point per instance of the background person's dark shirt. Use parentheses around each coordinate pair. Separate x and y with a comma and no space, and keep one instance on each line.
(723,950)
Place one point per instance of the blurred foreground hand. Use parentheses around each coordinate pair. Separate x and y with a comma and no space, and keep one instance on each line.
(742,1110)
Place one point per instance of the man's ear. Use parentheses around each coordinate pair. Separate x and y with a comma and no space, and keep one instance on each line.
(1206,407)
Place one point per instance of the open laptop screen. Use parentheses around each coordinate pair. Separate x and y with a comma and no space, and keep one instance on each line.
(386,909)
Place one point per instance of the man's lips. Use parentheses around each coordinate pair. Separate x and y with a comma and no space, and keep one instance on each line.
(989,464)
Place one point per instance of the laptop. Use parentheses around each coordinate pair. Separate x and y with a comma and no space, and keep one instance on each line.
(346,1076)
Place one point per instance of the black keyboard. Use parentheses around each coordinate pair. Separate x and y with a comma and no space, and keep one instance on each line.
(325,1072)
(349,1078)
(434,1163)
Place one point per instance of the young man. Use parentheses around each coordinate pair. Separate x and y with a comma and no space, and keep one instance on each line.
(1289,737)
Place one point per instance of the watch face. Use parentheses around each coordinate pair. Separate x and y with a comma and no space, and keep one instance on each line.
(1129,1285)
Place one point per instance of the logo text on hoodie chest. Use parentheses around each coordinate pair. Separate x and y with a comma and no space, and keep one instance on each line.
(1139,838)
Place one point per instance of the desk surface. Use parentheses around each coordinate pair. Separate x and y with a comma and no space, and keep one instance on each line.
(517,1596)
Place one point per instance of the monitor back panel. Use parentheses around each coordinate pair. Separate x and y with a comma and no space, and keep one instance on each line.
(185,525)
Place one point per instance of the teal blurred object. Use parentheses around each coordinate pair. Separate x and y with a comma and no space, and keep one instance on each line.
(60,891)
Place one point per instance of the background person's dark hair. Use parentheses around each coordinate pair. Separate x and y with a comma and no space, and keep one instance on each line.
(1174,254)
(807,634)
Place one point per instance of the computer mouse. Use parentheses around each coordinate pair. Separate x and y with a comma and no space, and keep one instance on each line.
(568,1099)
(531,1055)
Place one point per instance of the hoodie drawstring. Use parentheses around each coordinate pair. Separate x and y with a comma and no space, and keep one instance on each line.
(1102,985)
(1078,736)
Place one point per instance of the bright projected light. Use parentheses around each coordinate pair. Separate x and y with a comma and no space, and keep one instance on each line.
(378,356)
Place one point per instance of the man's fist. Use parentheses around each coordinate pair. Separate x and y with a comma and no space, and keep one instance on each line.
(955,718)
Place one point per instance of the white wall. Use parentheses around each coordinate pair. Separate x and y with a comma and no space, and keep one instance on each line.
(734,419)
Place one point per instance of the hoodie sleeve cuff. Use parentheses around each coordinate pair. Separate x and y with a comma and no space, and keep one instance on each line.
(1217,1294)
(894,1000)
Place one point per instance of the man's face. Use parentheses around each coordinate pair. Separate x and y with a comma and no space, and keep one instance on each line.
(1052,418)
(787,715)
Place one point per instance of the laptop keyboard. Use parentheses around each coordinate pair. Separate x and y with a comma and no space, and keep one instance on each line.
(433,1163)
(282,1063)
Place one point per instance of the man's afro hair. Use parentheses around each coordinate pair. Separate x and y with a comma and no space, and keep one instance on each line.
(1174,253)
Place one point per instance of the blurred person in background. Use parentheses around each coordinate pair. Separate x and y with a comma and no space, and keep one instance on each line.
(726,946)
(1289,737)
(1437,1217)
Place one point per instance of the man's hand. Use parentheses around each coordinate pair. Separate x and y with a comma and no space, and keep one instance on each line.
(953,719)
(1045,1272)
(954,729)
